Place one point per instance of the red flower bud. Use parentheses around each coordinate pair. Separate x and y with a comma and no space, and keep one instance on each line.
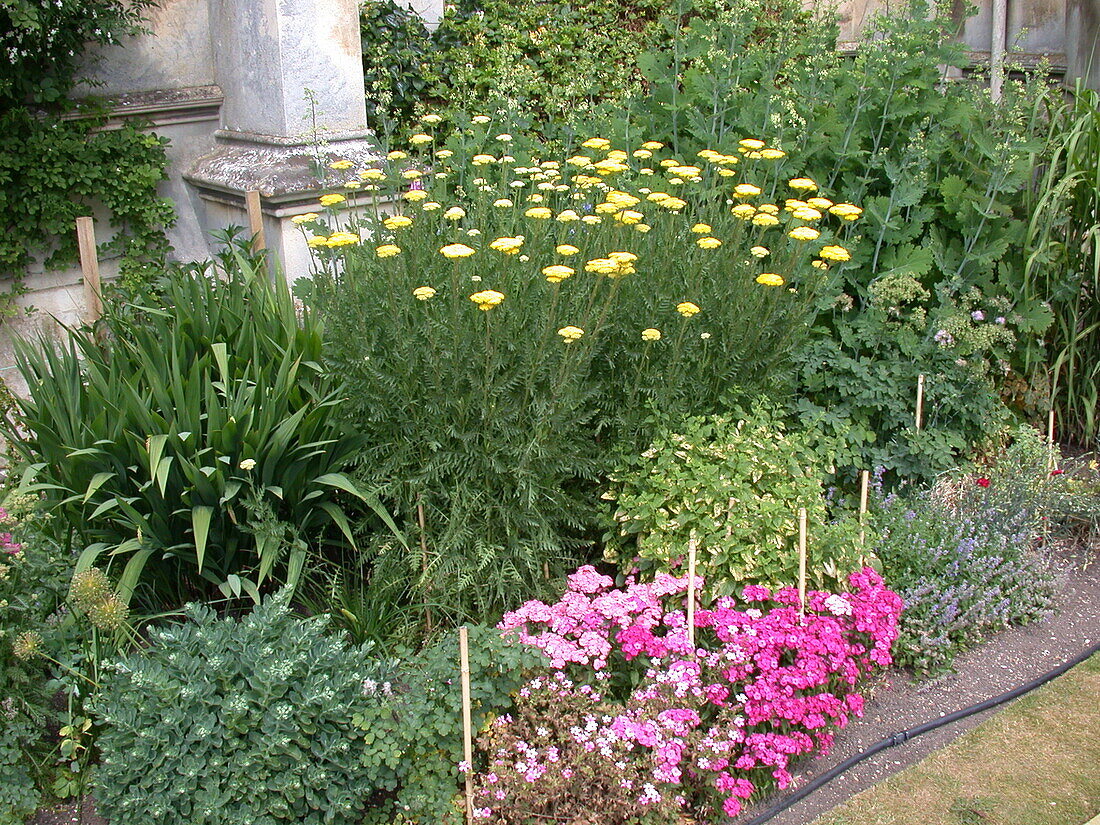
(983,482)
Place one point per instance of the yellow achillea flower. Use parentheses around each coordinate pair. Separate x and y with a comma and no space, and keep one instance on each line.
(701,228)
(806,213)
(397,222)
(617,154)
(306,218)
(597,143)
(624,200)
(846,211)
(570,334)
(585,181)
(744,211)
(540,213)
(727,160)
(686,171)
(770,279)
(708,154)
(372,174)
(331,200)
(727,173)
(610,166)
(415,195)
(772,154)
(708,243)
(746,190)
(504,138)
(803,233)
(509,246)
(818,264)
(802,184)
(835,253)
(764,219)
(456,250)
(653,145)
(759,252)
(482,160)
(614,265)
(420,140)
(352,184)
(668,163)
(642,227)
(443,154)
(342,239)
(792,204)
(751,144)
(387,250)
(412,174)
(316,241)
(341,164)
(658,197)
(397,154)
(487,299)
(567,215)
(768,208)
(629,217)
(557,273)
(642,154)
(502,203)
(592,219)
(455,213)
(431,119)
(687,309)
(819,203)
(673,204)
(651,334)
(566,249)
(580,161)
(431,206)
(423,293)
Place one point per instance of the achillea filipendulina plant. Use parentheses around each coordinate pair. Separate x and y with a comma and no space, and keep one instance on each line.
(639,720)
(520,314)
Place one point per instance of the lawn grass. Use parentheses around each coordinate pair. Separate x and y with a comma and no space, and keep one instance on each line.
(1037,762)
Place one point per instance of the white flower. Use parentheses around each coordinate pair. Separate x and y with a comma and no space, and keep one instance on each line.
(247,464)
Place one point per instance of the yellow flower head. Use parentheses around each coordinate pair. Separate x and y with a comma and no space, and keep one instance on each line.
(487,299)
(673,204)
(651,334)
(835,253)
(540,213)
(509,246)
(557,273)
(642,227)
(342,239)
(341,164)
(759,252)
(415,195)
(598,143)
(592,220)
(397,154)
(387,250)
(431,119)
(482,160)
(708,242)
(423,293)
(306,218)
(623,257)
(746,190)
(701,228)
(316,241)
(566,249)
(804,233)
(629,217)
(668,163)
(420,140)
(412,174)
(456,250)
(642,154)
(792,204)
(802,184)
(764,219)
(610,166)
(686,171)
(580,161)
(502,203)
(819,264)
(331,200)
(846,211)
(819,203)
(658,197)
(431,206)
(481,119)
(744,211)
(708,154)
(751,144)
(727,160)
(653,145)
(455,213)
(623,200)
(687,309)
(504,138)
(768,208)
(397,222)
(443,154)
(570,334)
(727,173)
(372,174)
(568,215)
(806,213)
(772,154)
(770,279)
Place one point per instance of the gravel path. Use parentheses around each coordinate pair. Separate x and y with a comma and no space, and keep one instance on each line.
(1009,659)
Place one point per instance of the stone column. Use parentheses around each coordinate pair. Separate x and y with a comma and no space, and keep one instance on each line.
(292,76)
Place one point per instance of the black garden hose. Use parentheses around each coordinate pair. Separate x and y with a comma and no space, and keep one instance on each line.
(911,733)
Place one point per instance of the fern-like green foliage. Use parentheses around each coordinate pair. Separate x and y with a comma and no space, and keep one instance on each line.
(170,440)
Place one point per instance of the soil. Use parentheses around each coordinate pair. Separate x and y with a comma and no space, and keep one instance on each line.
(897,702)
(1009,659)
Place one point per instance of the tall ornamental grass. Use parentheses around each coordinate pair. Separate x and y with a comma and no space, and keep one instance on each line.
(518,318)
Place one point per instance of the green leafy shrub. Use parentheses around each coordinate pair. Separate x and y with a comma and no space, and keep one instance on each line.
(197,446)
(18,730)
(245,720)
(397,50)
(413,724)
(736,484)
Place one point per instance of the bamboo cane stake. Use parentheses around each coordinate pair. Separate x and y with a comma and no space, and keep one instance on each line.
(424,559)
(864,487)
(1052,464)
(803,530)
(89,267)
(255,220)
(920,400)
(692,549)
(467,723)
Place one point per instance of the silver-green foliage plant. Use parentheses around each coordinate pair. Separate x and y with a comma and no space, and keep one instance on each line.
(174,445)
(235,720)
(735,484)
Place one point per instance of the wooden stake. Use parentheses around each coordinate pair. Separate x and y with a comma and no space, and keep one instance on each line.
(255,220)
(803,530)
(424,560)
(920,400)
(1051,463)
(467,723)
(89,266)
(864,485)
(692,548)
